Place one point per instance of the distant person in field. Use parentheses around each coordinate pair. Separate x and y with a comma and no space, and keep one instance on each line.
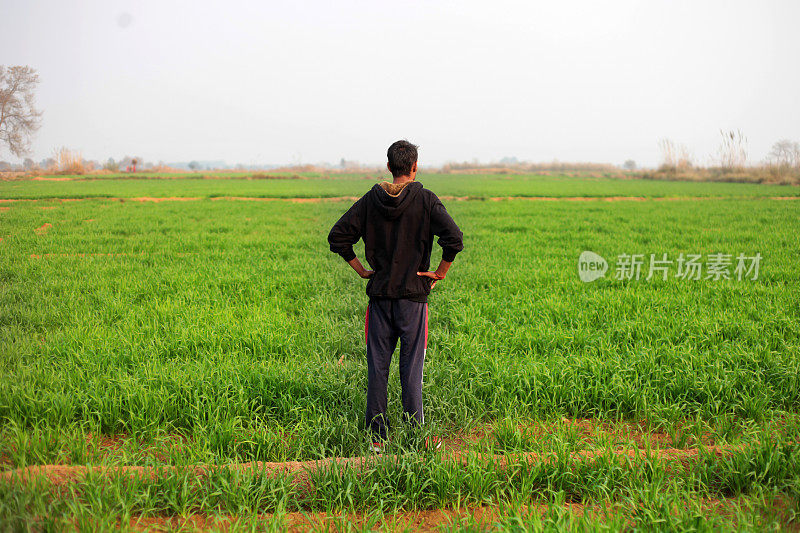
(398,222)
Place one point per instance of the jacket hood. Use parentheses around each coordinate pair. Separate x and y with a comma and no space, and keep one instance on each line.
(392,200)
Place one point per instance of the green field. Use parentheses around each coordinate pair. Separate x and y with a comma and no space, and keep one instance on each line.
(310,186)
(216,331)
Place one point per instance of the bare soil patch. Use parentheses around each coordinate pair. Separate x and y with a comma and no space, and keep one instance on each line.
(164,199)
(41,230)
(591,430)
(422,520)
(63,474)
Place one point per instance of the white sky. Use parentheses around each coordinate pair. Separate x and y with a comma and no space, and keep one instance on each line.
(311,81)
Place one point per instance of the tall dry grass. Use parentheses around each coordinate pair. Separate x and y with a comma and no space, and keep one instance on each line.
(730,163)
(675,157)
(66,161)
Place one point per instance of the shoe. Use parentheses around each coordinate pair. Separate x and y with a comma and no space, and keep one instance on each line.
(377,447)
(432,443)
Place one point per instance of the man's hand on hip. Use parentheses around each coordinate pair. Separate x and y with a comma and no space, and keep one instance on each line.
(359,268)
(439,274)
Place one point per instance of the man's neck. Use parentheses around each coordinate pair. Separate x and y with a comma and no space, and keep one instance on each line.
(399,180)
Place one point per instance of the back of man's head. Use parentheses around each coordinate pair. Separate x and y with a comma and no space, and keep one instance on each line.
(402,155)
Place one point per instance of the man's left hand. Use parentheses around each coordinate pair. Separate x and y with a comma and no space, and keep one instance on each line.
(433,275)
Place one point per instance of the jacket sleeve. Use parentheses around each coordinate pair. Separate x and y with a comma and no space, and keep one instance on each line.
(450,237)
(347,230)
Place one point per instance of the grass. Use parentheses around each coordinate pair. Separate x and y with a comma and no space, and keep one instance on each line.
(479,186)
(210,332)
(646,489)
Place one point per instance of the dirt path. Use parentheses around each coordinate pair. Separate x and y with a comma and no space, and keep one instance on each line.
(309,200)
(64,474)
(421,520)
(476,517)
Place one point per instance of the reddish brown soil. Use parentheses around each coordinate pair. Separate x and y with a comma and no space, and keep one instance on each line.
(423,520)
(41,230)
(164,199)
(485,517)
(624,432)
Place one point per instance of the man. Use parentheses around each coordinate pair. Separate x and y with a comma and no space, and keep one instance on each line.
(398,222)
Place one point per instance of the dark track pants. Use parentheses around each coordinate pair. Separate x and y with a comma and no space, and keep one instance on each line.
(385,322)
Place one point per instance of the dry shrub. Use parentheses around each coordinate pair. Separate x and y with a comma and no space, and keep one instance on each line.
(767,174)
(732,153)
(66,161)
(676,158)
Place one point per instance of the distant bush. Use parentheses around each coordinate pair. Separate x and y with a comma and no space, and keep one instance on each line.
(521,167)
(767,173)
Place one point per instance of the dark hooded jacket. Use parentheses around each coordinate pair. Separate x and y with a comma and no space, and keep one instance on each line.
(398,224)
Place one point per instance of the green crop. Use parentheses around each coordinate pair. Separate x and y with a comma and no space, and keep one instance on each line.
(221,331)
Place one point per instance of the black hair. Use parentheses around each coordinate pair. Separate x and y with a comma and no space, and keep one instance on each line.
(402,155)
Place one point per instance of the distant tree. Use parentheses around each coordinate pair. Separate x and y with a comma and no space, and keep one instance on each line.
(509,161)
(48,163)
(29,164)
(785,153)
(19,119)
(194,165)
(342,163)
(5,166)
(630,164)
(111,165)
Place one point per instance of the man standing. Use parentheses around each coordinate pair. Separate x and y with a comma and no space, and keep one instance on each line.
(398,222)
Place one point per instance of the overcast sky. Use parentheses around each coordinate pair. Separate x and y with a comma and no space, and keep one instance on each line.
(312,81)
